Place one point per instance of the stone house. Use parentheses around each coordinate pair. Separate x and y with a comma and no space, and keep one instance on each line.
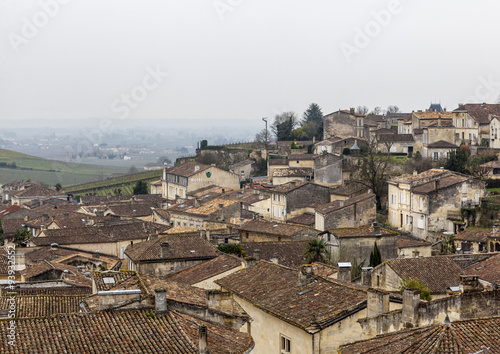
(328,169)
(291,199)
(345,244)
(286,175)
(473,240)
(180,180)
(348,190)
(37,193)
(156,187)
(165,255)
(243,169)
(494,241)
(494,136)
(353,212)
(395,143)
(274,165)
(344,123)
(438,150)
(295,311)
(431,202)
(491,169)
(472,122)
(266,231)
(337,145)
(193,212)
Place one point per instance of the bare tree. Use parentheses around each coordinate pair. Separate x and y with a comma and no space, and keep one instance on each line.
(393,109)
(260,137)
(282,118)
(376,111)
(362,110)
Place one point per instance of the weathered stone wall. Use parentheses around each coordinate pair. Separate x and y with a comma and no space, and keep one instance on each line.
(361,247)
(338,124)
(328,170)
(355,215)
(161,269)
(306,195)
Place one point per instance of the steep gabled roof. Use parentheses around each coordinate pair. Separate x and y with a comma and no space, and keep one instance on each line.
(481,112)
(441,144)
(459,337)
(274,289)
(37,191)
(188,169)
(271,228)
(180,247)
(289,253)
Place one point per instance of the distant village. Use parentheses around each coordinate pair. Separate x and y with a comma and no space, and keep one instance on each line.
(347,232)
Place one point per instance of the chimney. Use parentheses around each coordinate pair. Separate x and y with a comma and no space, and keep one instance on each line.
(469,284)
(96,254)
(26,218)
(352,110)
(161,300)
(415,172)
(376,229)
(223,191)
(411,299)
(436,184)
(377,302)
(275,259)
(45,218)
(366,276)
(341,203)
(344,272)
(220,300)
(305,275)
(461,106)
(197,203)
(440,123)
(164,249)
(20,262)
(203,347)
(256,255)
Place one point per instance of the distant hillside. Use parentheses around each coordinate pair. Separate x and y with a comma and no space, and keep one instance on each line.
(121,185)
(17,166)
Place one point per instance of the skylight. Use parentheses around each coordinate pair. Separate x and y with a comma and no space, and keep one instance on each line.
(108,280)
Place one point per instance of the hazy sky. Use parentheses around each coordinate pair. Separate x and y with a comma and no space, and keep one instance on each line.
(242,59)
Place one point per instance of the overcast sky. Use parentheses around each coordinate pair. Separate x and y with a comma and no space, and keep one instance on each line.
(242,59)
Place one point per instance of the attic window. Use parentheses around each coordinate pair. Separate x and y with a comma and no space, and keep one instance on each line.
(108,280)
(192,251)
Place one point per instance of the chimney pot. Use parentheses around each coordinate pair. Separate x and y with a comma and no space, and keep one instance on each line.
(256,254)
(203,345)
(161,300)
(411,299)
(377,303)
(344,272)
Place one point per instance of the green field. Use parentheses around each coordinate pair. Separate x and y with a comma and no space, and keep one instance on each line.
(110,186)
(51,172)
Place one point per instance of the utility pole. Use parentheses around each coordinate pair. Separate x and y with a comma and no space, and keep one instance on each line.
(265,120)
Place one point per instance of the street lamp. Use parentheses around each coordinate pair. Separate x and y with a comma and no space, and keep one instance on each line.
(265,120)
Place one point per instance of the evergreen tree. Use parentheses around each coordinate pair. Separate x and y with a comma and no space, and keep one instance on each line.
(141,187)
(313,119)
(284,130)
(457,160)
(375,256)
(20,236)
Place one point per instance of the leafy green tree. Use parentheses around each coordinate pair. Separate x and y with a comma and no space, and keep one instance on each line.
(375,256)
(141,187)
(293,145)
(58,187)
(233,249)
(409,283)
(21,236)
(317,251)
(356,268)
(457,160)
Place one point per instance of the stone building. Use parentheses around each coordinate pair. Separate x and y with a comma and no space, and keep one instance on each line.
(353,212)
(295,311)
(266,231)
(328,169)
(472,122)
(180,180)
(431,201)
(344,123)
(243,169)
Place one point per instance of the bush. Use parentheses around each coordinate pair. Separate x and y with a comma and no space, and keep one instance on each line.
(409,283)
(346,151)
(233,249)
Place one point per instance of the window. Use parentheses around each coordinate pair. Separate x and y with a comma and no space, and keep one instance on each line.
(400,197)
(420,223)
(285,344)
(407,198)
(436,156)
(469,123)
(463,123)
(421,204)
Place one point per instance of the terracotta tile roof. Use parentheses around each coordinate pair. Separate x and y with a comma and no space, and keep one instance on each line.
(9,210)
(99,234)
(350,188)
(188,169)
(418,131)
(54,291)
(293,172)
(156,183)
(383,131)
(444,182)
(474,234)
(206,270)
(11,225)
(61,255)
(4,261)
(289,253)
(328,208)
(37,191)
(423,176)
(437,273)
(488,270)
(176,230)
(299,157)
(288,187)
(121,332)
(470,336)
(306,219)
(247,196)
(274,289)
(408,242)
(180,247)
(207,208)
(324,270)
(278,162)
(42,305)
(481,111)
(432,115)
(132,209)
(491,164)
(72,276)
(466,260)
(362,231)
(271,228)
(395,137)
(441,144)
(206,192)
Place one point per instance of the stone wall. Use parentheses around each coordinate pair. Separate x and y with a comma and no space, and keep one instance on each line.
(355,215)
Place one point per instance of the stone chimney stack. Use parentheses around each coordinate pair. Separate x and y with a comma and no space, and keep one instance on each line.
(275,259)
(256,255)
(376,229)
(440,122)
(411,299)
(377,302)
(20,262)
(161,301)
(305,275)
(469,284)
(352,110)
(415,172)
(164,249)
(344,272)
(366,276)
(203,347)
